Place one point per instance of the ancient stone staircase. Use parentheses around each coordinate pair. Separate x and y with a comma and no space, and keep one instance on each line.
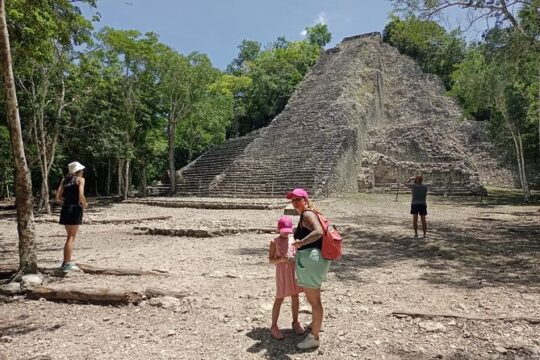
(194,179)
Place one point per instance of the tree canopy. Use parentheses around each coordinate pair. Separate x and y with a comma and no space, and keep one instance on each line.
(128,106)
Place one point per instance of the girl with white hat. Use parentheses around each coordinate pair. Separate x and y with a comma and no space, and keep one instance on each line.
(71,194)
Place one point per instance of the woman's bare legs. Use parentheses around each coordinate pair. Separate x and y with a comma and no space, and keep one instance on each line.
(295,307)
(314,298)
(68,247)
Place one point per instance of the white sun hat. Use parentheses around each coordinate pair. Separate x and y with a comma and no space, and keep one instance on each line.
(74,167)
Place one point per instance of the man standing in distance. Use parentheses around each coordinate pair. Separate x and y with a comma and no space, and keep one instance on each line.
(418,203)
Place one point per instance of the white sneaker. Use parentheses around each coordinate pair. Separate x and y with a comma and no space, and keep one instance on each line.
(308,343)
(308,327)
(70,266)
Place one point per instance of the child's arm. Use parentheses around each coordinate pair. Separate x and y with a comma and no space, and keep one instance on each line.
(272,255)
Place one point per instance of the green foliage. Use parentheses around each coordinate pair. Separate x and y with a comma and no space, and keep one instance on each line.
(318,35)
(529,16)
(470,84)
(6,163)
(37,27)
(273,76)
(248,51)
(436,50)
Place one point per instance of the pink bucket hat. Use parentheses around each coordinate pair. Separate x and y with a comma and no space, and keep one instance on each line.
(298,192)
(285,225)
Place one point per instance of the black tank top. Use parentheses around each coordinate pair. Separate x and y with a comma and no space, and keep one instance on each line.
(71,190)
(301,232)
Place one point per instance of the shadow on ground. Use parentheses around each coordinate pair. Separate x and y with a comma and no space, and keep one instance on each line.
(275,349)
(475,254)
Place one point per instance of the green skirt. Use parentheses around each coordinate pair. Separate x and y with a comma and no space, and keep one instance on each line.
(311,268)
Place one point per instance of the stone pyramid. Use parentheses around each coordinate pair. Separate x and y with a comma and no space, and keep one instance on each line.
(364,117)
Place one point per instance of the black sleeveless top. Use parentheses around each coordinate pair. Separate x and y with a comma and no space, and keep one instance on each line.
(301,232)
(71,190)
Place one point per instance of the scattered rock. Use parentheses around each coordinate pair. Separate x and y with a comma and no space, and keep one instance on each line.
(31,280)
(9,289)
(532,349)
(431,326)
(6,339)
(224,318)
(164,302)
(501,350)
(221,274)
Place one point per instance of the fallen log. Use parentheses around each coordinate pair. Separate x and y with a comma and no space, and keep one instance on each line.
(155,292)
(110,221)
(95,270)
(91,295)
(250,205)
(7,270)
(531,320)
(203,233)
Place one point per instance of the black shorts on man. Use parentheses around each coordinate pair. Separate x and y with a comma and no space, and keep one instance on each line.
(420,209)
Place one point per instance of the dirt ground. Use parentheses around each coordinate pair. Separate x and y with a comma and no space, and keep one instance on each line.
(479,261)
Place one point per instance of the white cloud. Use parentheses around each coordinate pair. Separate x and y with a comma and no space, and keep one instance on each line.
(322,18)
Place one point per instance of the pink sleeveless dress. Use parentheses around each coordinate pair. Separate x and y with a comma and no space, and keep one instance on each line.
(285,272)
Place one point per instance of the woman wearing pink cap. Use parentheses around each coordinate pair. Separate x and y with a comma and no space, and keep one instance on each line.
(311,267)
(281,253)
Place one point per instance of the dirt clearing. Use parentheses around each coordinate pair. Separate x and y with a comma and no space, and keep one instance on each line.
(480,263)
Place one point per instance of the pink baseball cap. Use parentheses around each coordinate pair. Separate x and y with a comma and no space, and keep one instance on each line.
(285,225)
(298,192)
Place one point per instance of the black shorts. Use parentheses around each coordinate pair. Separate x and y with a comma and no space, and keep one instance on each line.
(71,215)
(420,209)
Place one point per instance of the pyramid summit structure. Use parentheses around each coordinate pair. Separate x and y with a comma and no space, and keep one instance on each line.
(364,117)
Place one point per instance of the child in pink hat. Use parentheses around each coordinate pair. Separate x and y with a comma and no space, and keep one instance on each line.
(282,254)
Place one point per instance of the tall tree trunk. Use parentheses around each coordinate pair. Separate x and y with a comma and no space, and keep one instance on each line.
(108,189)
(23,183)
(171,132)
(37,127)
(120,176)
(525,183)
(94,167)
(143,180)
(518,146)
(126,181)
(45,135)
(44,194)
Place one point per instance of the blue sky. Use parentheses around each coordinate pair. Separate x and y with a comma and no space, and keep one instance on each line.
(216,27)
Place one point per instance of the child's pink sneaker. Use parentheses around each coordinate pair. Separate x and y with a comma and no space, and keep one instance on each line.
(298,329)
(276,333)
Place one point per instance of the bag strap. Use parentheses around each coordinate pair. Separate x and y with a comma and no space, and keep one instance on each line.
(318,214)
